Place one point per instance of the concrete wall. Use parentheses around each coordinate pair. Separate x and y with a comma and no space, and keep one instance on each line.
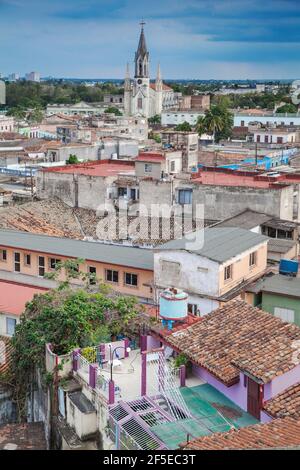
(287,120)
(60,154)
(155,173)
(270,301)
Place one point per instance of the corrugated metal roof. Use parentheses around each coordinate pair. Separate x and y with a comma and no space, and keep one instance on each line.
(283,285)
(219,243)
(141,258)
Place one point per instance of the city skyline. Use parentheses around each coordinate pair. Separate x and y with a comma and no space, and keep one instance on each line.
(191,40)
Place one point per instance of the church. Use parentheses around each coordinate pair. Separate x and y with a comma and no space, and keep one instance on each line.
(141,96)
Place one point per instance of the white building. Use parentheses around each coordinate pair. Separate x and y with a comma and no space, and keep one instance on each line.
(7,124)
(142,98)
(243,119)
(173,118)
(210,270)
(33,77)
(2,92)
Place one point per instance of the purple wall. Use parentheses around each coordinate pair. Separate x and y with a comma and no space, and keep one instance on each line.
(264,417)
(152,343)
(237,393)
(281,383)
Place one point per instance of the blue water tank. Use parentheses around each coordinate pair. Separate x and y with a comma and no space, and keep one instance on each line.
(173,305)
(288,267)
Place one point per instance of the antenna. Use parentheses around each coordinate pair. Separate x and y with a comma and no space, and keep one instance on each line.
(142,23)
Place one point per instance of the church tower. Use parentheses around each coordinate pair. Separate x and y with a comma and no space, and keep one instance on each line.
(140,105)
(159,92)
(127,93)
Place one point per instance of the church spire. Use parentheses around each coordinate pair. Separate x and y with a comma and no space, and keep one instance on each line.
(142,56)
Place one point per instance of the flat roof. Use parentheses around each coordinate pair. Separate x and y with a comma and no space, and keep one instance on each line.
(12,304)
(102,168)
(282,285)
(219,243)
(139,258)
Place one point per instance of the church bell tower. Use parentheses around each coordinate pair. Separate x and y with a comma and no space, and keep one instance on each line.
(141,83)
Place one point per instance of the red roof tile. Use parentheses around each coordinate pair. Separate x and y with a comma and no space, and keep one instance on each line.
(280,433)
(286,403)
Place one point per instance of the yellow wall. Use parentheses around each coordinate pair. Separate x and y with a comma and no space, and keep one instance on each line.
(144,276)
(241,270)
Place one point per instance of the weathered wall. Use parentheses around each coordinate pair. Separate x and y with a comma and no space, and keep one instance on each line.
(8,412)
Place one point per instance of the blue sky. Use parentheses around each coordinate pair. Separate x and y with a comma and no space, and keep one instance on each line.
(219,39)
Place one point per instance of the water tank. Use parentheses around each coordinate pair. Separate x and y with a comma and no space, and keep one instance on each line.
(173,304)
(288,267)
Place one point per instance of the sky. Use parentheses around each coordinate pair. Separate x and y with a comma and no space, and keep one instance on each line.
(192,39)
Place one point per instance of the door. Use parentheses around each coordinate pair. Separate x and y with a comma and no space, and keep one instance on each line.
(253,401)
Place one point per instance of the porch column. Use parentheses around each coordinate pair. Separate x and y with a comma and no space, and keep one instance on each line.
(182,375)
(76,352)
(126,345)
(111,392)
(93,368)
(144,374)
(143,343)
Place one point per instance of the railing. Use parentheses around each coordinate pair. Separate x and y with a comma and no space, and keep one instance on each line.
(102,385)
(83,364)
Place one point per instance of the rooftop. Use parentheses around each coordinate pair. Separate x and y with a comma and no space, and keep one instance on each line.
(279,245)
(280,433)
(239,178)
(102,168)
(217,244)
(282,285)
(247,219)
(239,336)
(150,157)
(285,404)
(13,304)
(139,258)
(25,436)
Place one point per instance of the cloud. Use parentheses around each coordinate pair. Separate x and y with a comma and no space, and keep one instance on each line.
(95,38)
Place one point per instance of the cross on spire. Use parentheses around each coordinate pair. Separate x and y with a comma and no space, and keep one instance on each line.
(142,23)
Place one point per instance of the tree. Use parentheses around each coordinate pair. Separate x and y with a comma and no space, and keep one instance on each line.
(217,121)
(35,116)
(113,110)
(72,160)
(155,119)
(184,127)
(287,108)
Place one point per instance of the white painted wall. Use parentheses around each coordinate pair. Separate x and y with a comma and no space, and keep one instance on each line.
(286,120)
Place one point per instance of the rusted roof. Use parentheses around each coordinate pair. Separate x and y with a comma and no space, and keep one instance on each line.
(286,403)
(280,433)
(25,436)
(239,336)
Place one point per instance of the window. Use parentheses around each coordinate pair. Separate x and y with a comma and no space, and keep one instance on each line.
(122,192)
(173,166)
(148,167)
(140,103)
(3,255)
(53,262)
(185,196)
(258,138)
(279,140)
(41,266)
(92,277)
(10,326)
(252,259)
(111,275)
(192,309)
(242,123)
(131,279)
(27,259)
(266,139)
(17,262)
(285,314)
(228,272)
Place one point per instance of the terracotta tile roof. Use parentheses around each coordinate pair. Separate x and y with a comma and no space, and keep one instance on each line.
(150,157)
(286,403)
(240,336)
(280,433)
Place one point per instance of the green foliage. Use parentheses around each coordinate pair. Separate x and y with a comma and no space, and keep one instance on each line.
(155,119)
(72,160)
(89,353)
(217,121)
(113,110)
(180,360)
(184,127)
(287,108)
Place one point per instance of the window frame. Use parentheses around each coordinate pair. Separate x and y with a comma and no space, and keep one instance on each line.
(3,255)
(230,276)
(17,262)
(253,257)
(26,263)
(113,272)
(131,277)
(6,325)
